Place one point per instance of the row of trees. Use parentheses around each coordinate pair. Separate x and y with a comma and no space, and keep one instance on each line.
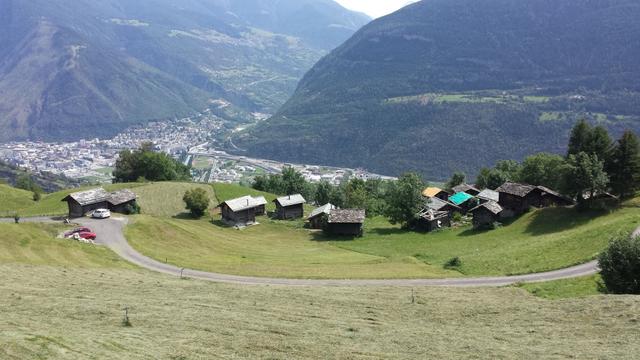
(145,164)
(593,164)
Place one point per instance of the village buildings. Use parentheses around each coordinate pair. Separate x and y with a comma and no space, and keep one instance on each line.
(347,222)
(242,211)
(84,202)
(289,207)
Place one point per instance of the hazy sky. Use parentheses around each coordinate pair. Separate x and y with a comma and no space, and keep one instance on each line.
(375,8)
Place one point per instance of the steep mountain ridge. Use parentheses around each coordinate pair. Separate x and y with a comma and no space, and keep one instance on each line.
(446,85)
(70,67)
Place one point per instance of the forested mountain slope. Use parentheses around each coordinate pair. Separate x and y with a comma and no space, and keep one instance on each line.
(87,68)
(446,85)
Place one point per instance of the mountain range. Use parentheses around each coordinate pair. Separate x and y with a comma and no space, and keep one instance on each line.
(82,68)
(450,85)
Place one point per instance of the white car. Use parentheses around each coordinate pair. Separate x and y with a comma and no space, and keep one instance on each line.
(101,214)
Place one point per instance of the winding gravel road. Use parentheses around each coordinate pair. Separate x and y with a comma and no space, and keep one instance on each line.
(111,234)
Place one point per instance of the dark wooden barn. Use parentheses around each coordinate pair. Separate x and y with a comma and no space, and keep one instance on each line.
(242,211)
(319,216)
(290,207)
(486,214)
(516,199)
(121,201)
(84,202)
(348,222)
(429,220)
(550,198)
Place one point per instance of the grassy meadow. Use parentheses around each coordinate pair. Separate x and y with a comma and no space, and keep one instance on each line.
(36,244)
(165,199)
(567,288)
(541,240)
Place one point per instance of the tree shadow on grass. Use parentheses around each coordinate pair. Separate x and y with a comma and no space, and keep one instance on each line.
(322,237)
(184,216)
(553,220)
(388,231)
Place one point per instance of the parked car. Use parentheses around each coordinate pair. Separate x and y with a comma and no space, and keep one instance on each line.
(101,214)
(87,235)
(82,229)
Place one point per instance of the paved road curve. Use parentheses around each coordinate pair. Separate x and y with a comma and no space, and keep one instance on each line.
(110,233)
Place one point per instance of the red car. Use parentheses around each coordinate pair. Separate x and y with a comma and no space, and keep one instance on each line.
(87,235)
(77,231)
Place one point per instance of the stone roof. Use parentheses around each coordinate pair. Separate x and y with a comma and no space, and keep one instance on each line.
(245,202)
(554,193)
(431,192)
(290,200)
(89,197)
(489,195)
(492,206)
(324,209)
(437,204)
(520,190)
(347,216)
(464,188)
(121,197)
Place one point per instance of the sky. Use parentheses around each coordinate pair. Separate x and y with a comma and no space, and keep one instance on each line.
(375,8)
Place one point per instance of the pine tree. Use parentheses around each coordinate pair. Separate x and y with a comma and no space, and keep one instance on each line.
(580,138)
(624,168)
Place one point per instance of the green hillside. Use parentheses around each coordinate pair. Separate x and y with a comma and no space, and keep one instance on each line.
(12,198)
(447,85)
(540,240)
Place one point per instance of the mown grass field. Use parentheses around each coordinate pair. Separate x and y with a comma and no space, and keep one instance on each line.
(12,199)
(36,244)
(539,241)
(165,199)
(565,289)
(51,312)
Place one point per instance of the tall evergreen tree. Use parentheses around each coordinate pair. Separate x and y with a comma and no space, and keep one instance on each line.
(580,138)
(624,165)
(599,143)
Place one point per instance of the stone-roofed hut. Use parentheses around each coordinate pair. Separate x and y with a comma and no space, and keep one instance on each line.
(486,214)
(348,222)
(120,201)
(466,188)
(242,211)
(553,198)
(84,202)
(488,195)
(517,198)
(319,216)
(290,207)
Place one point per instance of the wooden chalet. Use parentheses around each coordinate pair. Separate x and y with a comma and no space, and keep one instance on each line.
(487,195)
(348,222)
(121,201)
(435,192)
(242,211)
(430,220)
(516,198)
(486,214)
(290,207)
(82,203)
(466,188)
(319,216)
